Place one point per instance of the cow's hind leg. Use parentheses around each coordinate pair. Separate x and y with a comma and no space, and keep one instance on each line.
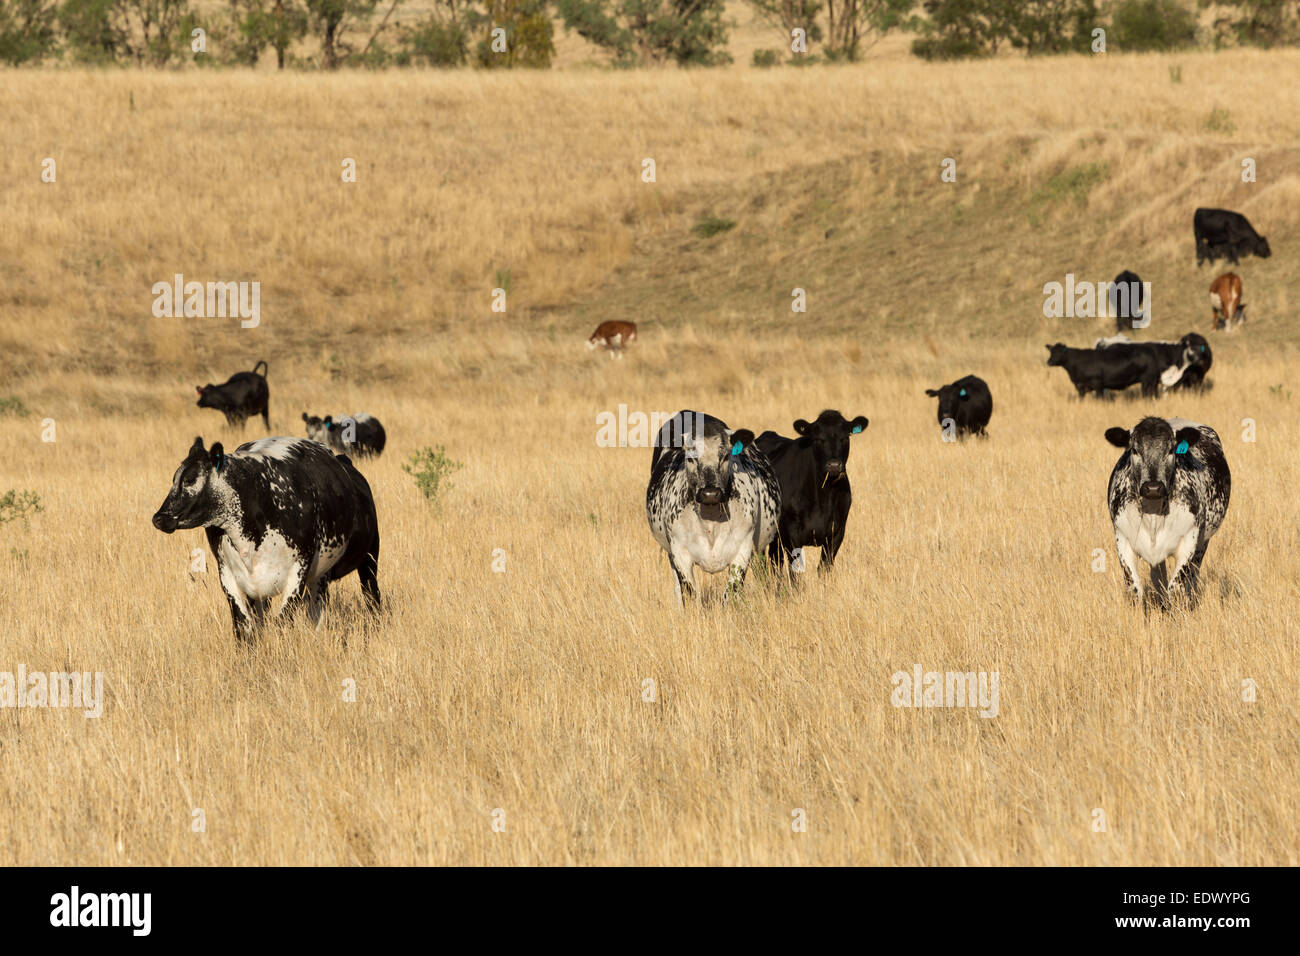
(369,574)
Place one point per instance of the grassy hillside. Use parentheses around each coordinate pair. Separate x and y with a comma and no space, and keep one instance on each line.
(522,690)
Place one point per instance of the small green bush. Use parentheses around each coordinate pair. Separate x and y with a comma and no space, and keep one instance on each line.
(19,506)
(431,469)
(711,226)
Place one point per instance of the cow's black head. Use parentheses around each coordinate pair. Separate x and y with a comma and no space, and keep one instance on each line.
(1200,349)
(192,502)
(210,396)
(1057,353)
(710,464)
(951,399)
(1154,450)
(318,429)
(1261,248)
(828,440)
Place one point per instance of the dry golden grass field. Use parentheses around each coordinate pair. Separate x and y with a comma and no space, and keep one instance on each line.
(516,697)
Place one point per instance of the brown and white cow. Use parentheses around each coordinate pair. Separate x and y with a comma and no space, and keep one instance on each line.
(1225,300)
(613,335)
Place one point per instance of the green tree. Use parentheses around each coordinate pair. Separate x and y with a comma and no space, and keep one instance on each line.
(1266,23)
(150,32)
(259,24)
(528,36)
(28,30)
(335,23)
(853,26)
(789,14)
(1152,25)
(687,32)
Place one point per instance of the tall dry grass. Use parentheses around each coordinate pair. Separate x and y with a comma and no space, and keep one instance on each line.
(522,691)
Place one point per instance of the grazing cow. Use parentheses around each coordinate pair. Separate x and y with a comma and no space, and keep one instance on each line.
(1126,300)
(1168,495)
(713,499)
(612,335)
(1114,367)
(815,492)
(359,435)
(967,403)
(282,515)
(241,397)
(1183,363)
(1223,234)
(1225,300)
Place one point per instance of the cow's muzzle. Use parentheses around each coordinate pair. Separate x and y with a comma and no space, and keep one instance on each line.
(165,523)
(1155,498)
(709,503)
(834,469)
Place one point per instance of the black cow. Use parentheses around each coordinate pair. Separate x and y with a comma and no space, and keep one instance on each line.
(1224,234)
(241,397)
(815,492)
(1126,300)
(967,403)
(359,434)
(282,515)
(1183,363)
(1168,495)
(1113,367)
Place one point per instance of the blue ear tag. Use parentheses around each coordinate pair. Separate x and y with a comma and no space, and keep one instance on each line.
(1181,449)
(221,460)
(1202,349)
(737,448)
(856,429)
(963,393)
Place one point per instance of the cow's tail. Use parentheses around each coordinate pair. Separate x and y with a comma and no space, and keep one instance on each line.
(262,365)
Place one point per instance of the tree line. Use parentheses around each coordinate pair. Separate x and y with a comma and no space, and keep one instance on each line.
(330,34)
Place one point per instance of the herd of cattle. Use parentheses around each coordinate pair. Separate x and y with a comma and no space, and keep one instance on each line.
(287,516)
(719,496)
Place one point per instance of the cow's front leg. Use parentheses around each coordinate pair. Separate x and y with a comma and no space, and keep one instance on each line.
(241,613)
(1128,561)
(1187,566)
(736,572)
(831,548)
(682,566)
(295,590)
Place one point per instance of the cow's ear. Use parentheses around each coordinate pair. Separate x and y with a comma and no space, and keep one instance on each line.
(217,456)
(1117,437)
(304,416)
(1186,438)
(198,444)
(800,426)
(199,389)
(741,439)
(932,392)
(858,425)
(964,394)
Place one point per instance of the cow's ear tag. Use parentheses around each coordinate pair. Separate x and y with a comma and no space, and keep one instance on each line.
(221,460)
(963,393)
(1202,349)
(737,448)
(1182,448)
(856,429)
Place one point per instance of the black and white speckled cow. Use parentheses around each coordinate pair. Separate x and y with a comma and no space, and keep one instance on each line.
(713,499)
(282,516)
(358,434)
(1168,495)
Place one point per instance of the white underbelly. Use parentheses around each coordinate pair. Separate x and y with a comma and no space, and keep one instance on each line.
(1154,537)
(712,545)
(260,572)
